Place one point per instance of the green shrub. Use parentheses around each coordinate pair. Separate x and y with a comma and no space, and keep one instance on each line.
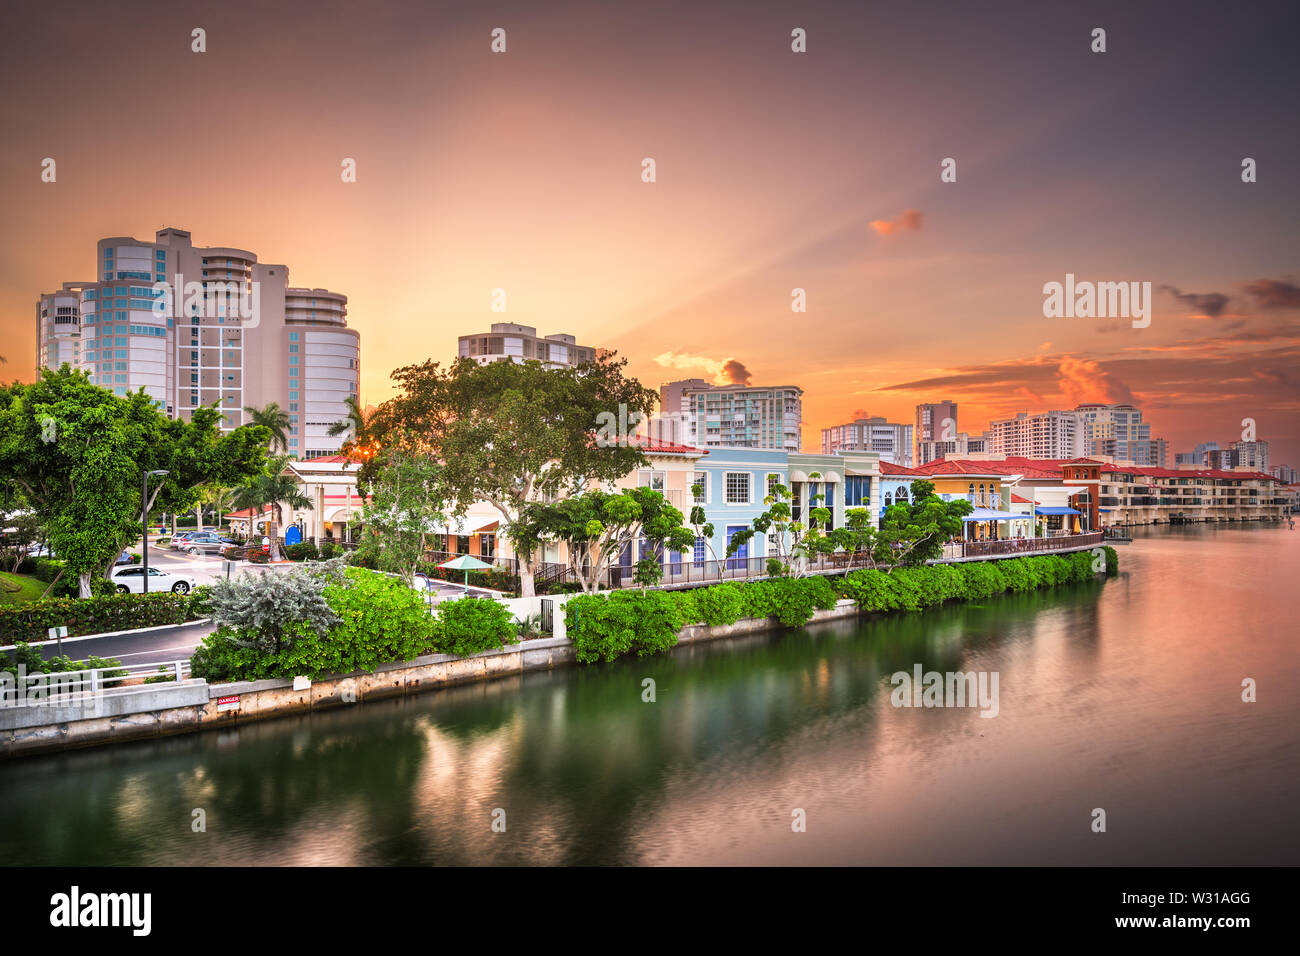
(328,549)
(982,580)
(373,619)
(472,625)
(720,604)
(302,551)
(95,615)
(687,608)
(30,658)
(624,622)
(758,599)
(259,556)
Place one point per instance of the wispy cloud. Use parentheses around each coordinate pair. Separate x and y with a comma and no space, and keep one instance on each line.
(909,219)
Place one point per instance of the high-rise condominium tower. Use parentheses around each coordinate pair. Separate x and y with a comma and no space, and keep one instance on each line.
(197,326)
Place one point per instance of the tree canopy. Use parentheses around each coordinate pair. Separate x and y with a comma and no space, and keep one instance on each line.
(510,433)
(75,453)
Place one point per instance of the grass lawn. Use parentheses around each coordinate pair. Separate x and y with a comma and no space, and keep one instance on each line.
(20,588)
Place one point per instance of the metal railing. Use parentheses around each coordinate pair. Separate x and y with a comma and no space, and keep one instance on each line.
(1056,542)
(71,688)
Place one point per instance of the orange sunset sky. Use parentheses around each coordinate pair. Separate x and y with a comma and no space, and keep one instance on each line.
(775,170)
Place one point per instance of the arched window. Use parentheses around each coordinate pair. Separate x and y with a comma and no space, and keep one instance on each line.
(889,499)
(972,489)
(981,492)
(901,497)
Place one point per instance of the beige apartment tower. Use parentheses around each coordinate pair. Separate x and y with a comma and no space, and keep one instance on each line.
(208,326)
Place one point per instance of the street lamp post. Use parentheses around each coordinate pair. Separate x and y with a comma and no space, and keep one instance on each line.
(144,523)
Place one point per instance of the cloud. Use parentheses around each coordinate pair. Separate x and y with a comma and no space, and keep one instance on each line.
(907,219)
(1207,303)
(1085,380)
(728,371)
(735,373)
(1274,293)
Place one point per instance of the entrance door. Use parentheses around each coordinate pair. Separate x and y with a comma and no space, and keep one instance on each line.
(740,560)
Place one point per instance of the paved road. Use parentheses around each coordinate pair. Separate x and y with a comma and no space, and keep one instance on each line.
(167,644)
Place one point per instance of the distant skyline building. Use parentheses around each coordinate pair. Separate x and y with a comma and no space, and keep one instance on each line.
(1054,434)
(1251,454)
(58,326)
(1118,431)
(892,442)
(736,416)
(234,334)
(959,447)
(506,341)
(1283,473)
(935,421)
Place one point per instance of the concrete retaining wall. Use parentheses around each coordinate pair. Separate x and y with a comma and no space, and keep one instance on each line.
(196,705)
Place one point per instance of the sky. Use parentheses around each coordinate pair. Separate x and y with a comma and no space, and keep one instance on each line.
(774,171)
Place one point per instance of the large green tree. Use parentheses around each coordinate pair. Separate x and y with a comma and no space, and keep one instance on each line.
(597,526)
(512,433)
(75,454)
(914,532)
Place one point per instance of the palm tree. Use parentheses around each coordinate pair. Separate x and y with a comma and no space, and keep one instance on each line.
(353,425)
(276,489)
(275,419)
(218,498)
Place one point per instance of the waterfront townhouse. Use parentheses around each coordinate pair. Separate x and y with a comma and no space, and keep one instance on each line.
(733,483)
(1135,495)
(986,488)
(736,482)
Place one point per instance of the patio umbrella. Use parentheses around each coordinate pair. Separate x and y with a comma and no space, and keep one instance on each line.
(464,563)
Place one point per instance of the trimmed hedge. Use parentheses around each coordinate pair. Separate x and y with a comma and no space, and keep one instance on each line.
(912,589)
(606,626)
(110,612)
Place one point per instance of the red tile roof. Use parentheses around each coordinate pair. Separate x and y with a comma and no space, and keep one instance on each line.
(889,468)
(653,446)
(248,513)
(330,460)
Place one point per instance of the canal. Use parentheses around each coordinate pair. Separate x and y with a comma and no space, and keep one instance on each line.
(1124,696)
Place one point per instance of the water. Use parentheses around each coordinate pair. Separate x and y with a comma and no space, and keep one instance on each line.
(1124,695)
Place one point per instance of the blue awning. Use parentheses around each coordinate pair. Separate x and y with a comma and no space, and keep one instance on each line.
(988,514)
(1055,510)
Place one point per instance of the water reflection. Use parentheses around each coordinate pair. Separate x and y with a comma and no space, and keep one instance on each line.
(1112,695)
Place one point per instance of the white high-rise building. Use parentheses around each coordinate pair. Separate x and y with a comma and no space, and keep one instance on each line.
(507,341)
(892,442)
(736,416)
(234,334)
(1117,431)
(1054,434)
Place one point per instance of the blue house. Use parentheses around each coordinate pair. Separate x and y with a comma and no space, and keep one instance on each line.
(734,483)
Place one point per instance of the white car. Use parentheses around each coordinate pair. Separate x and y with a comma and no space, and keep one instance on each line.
(131,581)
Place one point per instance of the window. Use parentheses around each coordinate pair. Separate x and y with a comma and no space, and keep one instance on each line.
(772,480)
(857,491)
(737,487)
(654,480)
(700,487)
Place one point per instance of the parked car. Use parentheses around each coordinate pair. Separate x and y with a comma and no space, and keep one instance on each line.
(126,557)
(178,540)
(39,551)
(131,581)
(206,542)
